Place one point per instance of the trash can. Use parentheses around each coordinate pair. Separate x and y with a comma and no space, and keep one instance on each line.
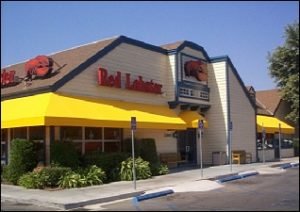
(219,158)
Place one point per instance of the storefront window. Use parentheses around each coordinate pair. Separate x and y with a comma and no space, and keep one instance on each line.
(93,133)
(286,143)
(3,146)
(71,133)
(112,134)
(93,146)
(3,134)
(37,135)
(95,138)
(20,132)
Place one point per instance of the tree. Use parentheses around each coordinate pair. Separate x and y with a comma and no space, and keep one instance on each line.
(284,68)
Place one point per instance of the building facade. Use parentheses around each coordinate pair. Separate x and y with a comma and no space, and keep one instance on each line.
(89,93)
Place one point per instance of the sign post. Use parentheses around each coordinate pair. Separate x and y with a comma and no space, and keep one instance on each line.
(200,126)
(263,142)
(133,127)
(279,138)
(230,145)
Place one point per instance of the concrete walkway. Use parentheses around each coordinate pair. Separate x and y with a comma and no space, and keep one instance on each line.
(79,197)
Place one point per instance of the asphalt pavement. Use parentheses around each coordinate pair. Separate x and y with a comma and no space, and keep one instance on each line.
(65,199)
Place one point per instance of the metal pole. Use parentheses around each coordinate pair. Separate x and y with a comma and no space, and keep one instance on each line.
(263,142)
(230,150)
(201,153)
(133,163)
(279,138)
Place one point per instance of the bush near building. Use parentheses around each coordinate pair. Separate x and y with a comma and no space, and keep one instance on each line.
(146,149)
(109,162)
(64,153)
(22,160)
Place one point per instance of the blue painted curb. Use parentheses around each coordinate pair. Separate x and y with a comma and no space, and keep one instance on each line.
(234,177)
(289,165)
(248,174)
(152,195)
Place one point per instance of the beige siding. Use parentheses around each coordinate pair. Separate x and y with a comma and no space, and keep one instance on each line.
(126,59)
(171,78)
(193,52)
(269,155)
(287,153)
(214,138)
(242,116)
(163,144)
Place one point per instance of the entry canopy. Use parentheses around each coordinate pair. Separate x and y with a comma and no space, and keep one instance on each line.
(271,125)
(191,118)
(51,109)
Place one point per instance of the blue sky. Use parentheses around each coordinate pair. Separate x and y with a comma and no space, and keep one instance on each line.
(245,31)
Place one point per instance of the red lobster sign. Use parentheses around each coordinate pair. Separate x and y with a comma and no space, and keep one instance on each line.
(197,69)
(39,66)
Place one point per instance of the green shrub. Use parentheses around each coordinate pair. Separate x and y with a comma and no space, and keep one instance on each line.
(127,146)
(51,175)
(71,180)
(63,153)
(31,180)
(142,169)
(94,175)
(163,169)
(22,160)
(146,149)
(110,163)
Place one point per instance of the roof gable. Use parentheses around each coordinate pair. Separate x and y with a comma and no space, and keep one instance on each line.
(74,61)
(179,45)
(270,99)
(235,73)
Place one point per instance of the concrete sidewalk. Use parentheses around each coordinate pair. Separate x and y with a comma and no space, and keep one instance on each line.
(79,197)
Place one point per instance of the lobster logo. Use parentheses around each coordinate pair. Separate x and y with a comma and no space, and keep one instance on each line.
(197,69)
(40,66)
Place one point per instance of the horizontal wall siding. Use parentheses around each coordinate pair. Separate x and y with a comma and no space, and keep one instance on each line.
(214,138)
(126,59)
(171,78)
(163,144)
(287,153)
(193,52)
(242,116)
(269,155)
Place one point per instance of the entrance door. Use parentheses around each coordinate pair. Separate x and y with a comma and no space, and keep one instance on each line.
(186,144)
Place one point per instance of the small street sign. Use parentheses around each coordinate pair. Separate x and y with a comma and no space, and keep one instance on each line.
(200,124)
(133,123)
(230,125)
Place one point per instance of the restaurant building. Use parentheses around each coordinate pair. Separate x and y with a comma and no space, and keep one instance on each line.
(88,94)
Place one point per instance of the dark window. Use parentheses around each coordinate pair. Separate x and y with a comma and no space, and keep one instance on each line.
(20,132)
(112,133)
(71,133)
(93,133)
(36,133)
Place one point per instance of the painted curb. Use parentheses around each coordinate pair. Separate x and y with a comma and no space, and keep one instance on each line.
(152,195)
(289,165)
(248,174)
(230,178)
(295,164)
(238,176)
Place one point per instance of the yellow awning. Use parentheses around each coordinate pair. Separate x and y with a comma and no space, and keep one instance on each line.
(271,125)
(191,118)
(51,109)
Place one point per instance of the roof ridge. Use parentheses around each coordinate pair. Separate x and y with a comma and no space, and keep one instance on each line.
(74,47)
